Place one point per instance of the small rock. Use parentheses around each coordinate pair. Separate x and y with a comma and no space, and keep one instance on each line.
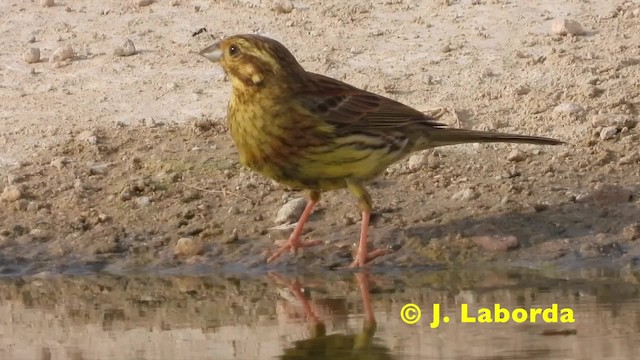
(32,55)
(465,194)
(188,247)
(608,194)
(33,206)
(516,156)
(59,162)
(291,211)
(39,234)
(143,201)
(126,49)
(446,48)
(87,136)
(99,168)
(282,231)
(566,27)
(601,120)
(143,3)
(11,193)
(568,108)
(232,238)
(47,3)
(632,232)
(522,90)
(496,243)
(418,161)
(600,247)
(618,121)
(62,53)
(540,206)
(126,194)
(283,6)
(608,133)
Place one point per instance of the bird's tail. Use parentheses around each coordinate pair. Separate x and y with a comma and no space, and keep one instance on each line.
(448,136)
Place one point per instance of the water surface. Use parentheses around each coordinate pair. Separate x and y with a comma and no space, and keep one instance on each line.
(328,316)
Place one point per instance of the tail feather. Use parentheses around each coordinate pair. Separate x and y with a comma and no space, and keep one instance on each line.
(448,136)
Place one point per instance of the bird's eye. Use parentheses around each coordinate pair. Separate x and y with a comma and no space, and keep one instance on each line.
(234,50)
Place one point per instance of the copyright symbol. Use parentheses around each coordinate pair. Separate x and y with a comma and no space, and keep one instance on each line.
(410,314)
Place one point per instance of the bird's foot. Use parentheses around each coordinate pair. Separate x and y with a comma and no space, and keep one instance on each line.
(292,245)
(362,258)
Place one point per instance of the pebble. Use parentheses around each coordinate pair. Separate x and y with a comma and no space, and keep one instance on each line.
(516,156)
(39,234)
(11,193)
(232,238)
(566,27)
(465,194)
(522,90)
(88,136)
(62,53)
(618,121)
(632,232)
(418,161)
(47,3)
(126,49)
(608,133)
(59,162)
(282,231)
(188,247)
(283,6)
(608,194)
(496,243)
(568,108)
(291,211)
(32,55)
(33,206)
(142,3)
(143,201)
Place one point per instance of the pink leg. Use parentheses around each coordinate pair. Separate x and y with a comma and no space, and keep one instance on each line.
(294,242)
(363,283)
(363,256)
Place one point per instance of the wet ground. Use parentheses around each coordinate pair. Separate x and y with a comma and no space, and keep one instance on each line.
(316,317)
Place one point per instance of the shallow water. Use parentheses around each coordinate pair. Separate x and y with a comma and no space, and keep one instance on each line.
(316,316)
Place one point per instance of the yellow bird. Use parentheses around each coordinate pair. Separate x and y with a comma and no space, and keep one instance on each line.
(312,132)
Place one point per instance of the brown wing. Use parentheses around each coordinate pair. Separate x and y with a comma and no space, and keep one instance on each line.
(348,107)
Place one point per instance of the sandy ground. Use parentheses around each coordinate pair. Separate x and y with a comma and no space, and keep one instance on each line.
(107,161)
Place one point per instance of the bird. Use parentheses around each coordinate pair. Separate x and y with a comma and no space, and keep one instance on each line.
(311,132)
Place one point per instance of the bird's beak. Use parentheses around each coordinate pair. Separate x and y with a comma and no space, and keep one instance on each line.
(213,53)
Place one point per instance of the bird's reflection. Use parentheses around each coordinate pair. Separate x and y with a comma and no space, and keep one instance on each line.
(341,345)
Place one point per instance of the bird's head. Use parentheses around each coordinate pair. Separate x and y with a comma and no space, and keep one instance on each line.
(253,60)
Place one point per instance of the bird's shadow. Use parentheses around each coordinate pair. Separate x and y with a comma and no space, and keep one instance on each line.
(575,223)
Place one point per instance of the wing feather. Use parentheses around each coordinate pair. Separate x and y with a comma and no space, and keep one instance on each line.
(345,106)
